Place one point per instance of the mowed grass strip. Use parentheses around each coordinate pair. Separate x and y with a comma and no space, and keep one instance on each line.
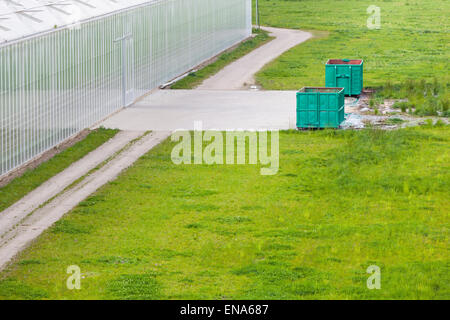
(341,202)
(196,78)
(412,42)
(32,179)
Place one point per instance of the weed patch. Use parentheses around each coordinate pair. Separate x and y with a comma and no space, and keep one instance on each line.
(70,227)
(134,287)
(13,289)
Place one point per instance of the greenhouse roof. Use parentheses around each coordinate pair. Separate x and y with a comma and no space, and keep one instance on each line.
(23,18)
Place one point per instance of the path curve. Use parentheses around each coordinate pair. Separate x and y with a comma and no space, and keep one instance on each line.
(240,74)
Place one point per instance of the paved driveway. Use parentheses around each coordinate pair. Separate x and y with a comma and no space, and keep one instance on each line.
(217,109)
(221,102)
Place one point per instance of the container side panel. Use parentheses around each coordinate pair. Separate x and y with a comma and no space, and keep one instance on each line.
(348,76)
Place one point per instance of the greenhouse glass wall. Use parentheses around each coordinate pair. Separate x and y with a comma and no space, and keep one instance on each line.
(66,64)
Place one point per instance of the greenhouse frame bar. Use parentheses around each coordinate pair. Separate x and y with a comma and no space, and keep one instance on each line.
(67,64)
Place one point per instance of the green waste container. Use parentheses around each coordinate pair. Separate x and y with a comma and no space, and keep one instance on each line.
(320,107)
(345,73)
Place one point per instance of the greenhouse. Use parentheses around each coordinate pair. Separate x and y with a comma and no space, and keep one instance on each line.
(67,64)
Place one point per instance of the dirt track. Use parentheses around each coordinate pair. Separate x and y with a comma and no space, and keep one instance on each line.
(18,230)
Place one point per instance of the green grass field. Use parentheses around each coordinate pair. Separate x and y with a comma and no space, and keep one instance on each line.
(32,179)
(342,201)
(411,44)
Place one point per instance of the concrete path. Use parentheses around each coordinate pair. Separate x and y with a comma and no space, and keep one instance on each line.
(19,235)
(222,101)
(240,74)
(221,110)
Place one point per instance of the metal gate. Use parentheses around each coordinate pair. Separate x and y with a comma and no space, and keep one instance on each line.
(126,41)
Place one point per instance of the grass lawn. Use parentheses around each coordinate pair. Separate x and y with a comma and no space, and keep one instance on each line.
(411,44)
(32,179)
(196,78)
(342,201)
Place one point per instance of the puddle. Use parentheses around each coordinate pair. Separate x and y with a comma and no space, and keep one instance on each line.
(352,121)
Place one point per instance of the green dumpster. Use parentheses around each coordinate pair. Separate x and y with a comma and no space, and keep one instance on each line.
(320,107)
(345,73)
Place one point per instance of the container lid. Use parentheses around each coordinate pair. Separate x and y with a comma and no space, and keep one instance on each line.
(344,61)
(320,90)
(24,18)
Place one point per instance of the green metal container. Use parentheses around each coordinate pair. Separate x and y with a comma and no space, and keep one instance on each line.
(345,73)
(320,107)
